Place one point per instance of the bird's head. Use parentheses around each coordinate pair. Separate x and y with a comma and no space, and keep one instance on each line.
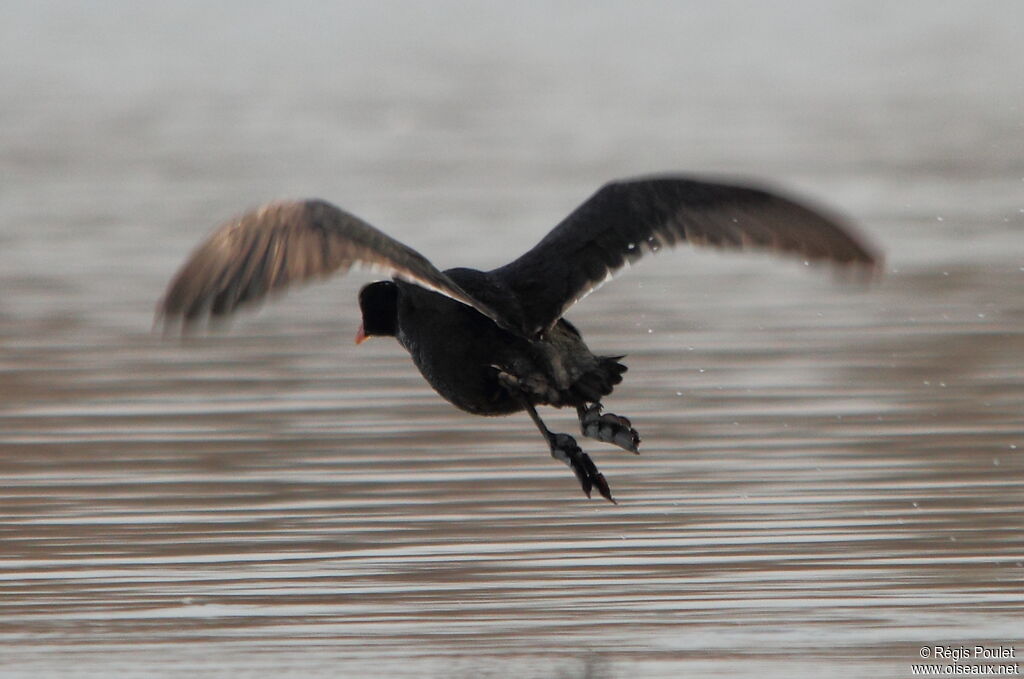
(379,304)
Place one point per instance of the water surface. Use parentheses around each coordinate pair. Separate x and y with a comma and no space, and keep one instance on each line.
(831,473)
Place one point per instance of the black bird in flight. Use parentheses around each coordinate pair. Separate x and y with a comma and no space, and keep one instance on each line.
(495,342)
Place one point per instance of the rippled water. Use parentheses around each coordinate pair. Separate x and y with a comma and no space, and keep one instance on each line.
(831,474)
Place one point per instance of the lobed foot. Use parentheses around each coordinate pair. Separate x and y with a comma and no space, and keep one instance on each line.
(609,428)
(564,448)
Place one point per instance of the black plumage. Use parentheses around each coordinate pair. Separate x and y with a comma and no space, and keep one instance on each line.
(495,342)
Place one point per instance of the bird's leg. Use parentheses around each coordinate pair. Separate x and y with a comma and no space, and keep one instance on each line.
(608,428)
(563,447)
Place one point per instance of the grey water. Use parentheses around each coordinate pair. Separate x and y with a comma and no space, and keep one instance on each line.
(831,473)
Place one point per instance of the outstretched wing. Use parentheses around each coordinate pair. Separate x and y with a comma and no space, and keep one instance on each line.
(626,219)
(287,243)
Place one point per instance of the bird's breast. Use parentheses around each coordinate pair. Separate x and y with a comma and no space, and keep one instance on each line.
(455,349)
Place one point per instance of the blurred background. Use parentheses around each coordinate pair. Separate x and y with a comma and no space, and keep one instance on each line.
(831,474)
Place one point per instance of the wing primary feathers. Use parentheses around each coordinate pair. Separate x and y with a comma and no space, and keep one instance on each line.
(625,220)
(283,244)
(287,243)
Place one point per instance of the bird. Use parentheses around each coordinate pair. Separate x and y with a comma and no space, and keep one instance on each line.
(497,342)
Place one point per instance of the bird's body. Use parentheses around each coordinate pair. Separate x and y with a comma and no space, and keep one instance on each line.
(495,342)
(454,347)
(463,355)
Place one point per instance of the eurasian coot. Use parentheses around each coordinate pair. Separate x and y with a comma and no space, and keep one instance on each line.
(495,342)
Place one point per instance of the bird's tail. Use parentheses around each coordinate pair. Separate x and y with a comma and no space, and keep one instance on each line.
(599,382)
